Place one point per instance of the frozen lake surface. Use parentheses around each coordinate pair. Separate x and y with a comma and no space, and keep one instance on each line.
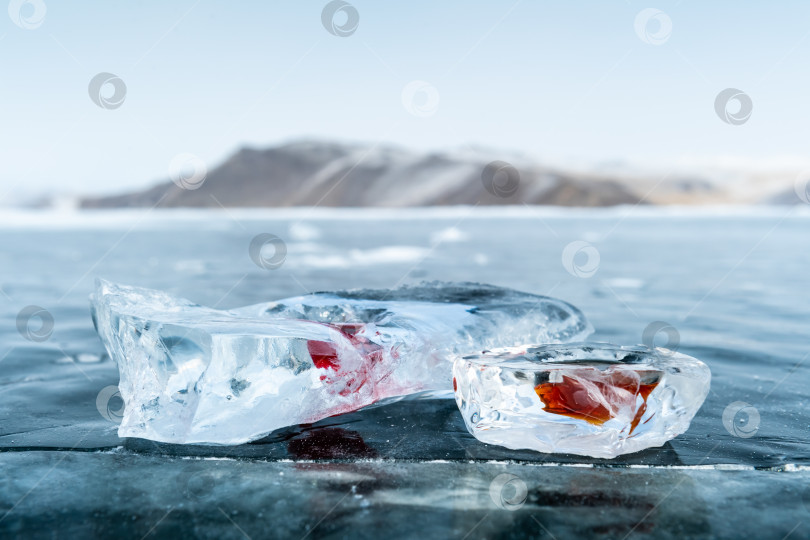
(732,285)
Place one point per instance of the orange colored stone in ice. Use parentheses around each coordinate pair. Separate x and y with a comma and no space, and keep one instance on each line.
(595,396)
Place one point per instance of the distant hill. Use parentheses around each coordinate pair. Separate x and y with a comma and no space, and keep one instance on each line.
(332,174)
(789,196)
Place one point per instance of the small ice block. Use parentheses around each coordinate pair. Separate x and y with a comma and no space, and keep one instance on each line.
(591,399)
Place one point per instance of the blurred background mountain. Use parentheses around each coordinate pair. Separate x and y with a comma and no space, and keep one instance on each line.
(329,174)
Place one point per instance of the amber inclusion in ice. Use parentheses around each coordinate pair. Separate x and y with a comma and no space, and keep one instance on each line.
(595,396)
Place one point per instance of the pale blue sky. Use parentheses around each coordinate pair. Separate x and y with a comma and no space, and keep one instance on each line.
(557,80)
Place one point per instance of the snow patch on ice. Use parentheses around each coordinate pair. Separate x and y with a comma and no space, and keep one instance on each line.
(449,235)
(360,257)
(304,232)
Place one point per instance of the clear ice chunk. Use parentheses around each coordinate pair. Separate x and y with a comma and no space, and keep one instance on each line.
(597,400)
(193,374)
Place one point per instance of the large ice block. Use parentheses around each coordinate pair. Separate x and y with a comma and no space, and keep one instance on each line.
(590,399)
(193,374)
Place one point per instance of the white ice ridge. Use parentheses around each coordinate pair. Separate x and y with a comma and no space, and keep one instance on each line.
(193,374)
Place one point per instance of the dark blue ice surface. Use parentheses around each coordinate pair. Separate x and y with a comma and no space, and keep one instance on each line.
(734,286)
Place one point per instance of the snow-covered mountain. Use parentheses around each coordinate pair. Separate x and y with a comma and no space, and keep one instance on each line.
(307,173)
(329,174)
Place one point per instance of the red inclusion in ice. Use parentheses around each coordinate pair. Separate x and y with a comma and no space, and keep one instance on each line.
(325,356)
(594,396)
